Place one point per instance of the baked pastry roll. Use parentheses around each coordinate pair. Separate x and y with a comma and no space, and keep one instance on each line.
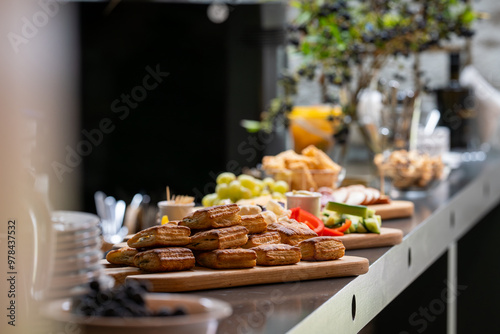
(165,259)
(124,255)
(322,249)
(221,238)
(255,240)
(160,236)
(249,210)
(237,258)
(291,231)
(277,255)
(213,217)
(254,223)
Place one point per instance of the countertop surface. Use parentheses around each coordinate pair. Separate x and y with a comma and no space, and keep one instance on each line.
(441,216)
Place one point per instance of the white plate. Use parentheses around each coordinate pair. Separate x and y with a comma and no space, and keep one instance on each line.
(66,281)
(78,235)
(80,262)
(92,242)
(61,254)
(105,281)
(71,221)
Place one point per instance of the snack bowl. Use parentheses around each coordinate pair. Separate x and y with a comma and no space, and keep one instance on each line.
(308,179)
(410,173)
(202,316)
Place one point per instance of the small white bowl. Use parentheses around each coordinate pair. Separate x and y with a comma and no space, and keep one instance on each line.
(175,211)
(203,316)
(310,203)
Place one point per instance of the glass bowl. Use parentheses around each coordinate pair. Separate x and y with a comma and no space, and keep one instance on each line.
(411,172)
(203,316)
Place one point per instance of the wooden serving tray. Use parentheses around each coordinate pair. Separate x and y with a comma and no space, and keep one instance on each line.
(395,209)
(387,237)
(201,278)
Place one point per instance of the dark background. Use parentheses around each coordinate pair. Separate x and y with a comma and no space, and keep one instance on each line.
(478,274)
(187,129)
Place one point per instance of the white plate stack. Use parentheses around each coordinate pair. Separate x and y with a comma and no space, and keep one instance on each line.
(77,254)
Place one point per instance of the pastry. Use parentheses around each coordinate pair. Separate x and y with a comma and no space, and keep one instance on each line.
(291,231)
(227,259)
(161,236)
(254,223)
(277,254)
(213,217)
(262,238)
(165,259)
(321,249)
(124,255)
(221,238)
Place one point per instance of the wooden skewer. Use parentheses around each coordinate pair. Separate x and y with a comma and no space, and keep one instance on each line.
(382,183)
(168,193)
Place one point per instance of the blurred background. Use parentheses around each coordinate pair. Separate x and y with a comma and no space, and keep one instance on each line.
(131,96)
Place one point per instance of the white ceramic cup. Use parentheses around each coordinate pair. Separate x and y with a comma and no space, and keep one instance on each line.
(174,211)
(310,203)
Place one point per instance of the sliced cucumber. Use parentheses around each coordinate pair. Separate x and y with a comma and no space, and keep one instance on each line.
(334,220)
(371,225)
(370,213)
(361,228)
(341,208)
(379,220)
(353,228)
(354,221)
(353,218)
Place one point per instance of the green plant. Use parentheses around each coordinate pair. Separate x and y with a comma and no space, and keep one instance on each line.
(349,41)
(345,44)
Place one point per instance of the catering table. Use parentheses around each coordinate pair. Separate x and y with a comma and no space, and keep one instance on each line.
(447,234)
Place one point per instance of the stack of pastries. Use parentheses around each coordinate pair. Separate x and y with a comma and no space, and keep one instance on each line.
(226,237)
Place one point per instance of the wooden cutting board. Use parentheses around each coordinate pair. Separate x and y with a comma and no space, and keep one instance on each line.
(387,237)
(395,209)
(201,278)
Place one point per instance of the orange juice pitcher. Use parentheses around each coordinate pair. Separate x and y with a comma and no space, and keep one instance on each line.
(314,125)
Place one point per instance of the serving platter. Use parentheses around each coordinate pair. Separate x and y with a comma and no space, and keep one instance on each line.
(395,209)
(201,278)
(387,237)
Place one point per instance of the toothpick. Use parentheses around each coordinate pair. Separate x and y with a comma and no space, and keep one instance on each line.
(382,183)
(168,193)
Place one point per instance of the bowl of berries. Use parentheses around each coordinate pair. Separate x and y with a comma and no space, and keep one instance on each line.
(129,308)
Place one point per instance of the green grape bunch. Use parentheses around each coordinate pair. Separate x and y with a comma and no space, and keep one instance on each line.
(231,189)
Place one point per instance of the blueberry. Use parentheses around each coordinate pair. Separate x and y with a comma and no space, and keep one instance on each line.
(180,310)
(137,298)
(94,285)
(164,312)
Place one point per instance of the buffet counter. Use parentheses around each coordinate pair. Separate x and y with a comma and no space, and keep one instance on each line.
(347,305)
